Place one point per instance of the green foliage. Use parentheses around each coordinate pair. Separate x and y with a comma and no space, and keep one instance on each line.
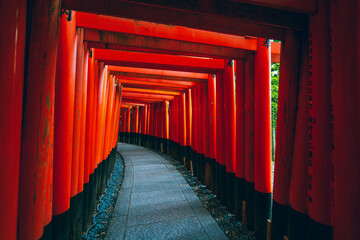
(275,67)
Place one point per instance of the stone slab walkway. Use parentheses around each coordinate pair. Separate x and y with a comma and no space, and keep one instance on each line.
(155,202)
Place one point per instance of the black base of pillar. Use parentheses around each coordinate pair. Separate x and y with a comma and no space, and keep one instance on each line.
(207,173)
(47,234)
(202,168)
(239,196)
(279,223)
(210,173)
(262,213)
(297,224)
(217,179)
(222,184)
(60,226)
(76,216)
(86,202)
(195,163)
(230,190)
(250,208)
(317,230)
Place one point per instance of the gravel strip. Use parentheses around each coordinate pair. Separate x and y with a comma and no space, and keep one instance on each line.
(106,202)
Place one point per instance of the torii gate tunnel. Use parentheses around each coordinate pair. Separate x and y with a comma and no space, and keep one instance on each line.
(187,78)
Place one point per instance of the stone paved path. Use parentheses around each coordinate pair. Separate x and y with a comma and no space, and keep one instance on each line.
(155,202)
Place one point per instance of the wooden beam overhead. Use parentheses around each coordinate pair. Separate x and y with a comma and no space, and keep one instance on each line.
(219,16)
(139,43)
(202,76)
(144,77)
(159,61)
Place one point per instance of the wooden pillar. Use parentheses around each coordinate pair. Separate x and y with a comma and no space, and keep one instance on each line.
(64,124)
(12,41)
(285,131)
(220,136)
(250,141)
(240,174)
(345,36)
(89,133)
(230,131)
(262,136)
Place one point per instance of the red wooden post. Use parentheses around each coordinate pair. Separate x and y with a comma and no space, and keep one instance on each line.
(188,107)
(77,114)
(83,122)
(99,101)
(230,131)
(299,187)
(249,140)
(240,173)
(182,126)
(109,116)
(211,103)
(220,136)
(345,36)
(12,41)
(105,102)
(212,115)
(89,134)
(285,132)
(320,166)
(198,131)
(77,166)
(128,124)
(94,116)
(63,126)
(262,136)
(35,202)
(193,121)
(206,135)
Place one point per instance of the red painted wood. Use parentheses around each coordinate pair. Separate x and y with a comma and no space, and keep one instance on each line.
(240,118)
(229,117)
(89,119)
(153,91)
(199,17)
(200,115)
(193,119)
(188,106)
(114,24)
(64,114)
(212,115)
(158,61)
(12,41)
(197,131)
(319,158)
(128,120)
(165,120)
(77,114)
(299,172)
(249,120)
(285,131)
(104,113)
(345,36)
(82,164)
(109,117)
(159,72)
(36,159)
(95,116)
(101,104)
(182,120)
(262,118)
(220,113)
(140,43)
(150,96)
